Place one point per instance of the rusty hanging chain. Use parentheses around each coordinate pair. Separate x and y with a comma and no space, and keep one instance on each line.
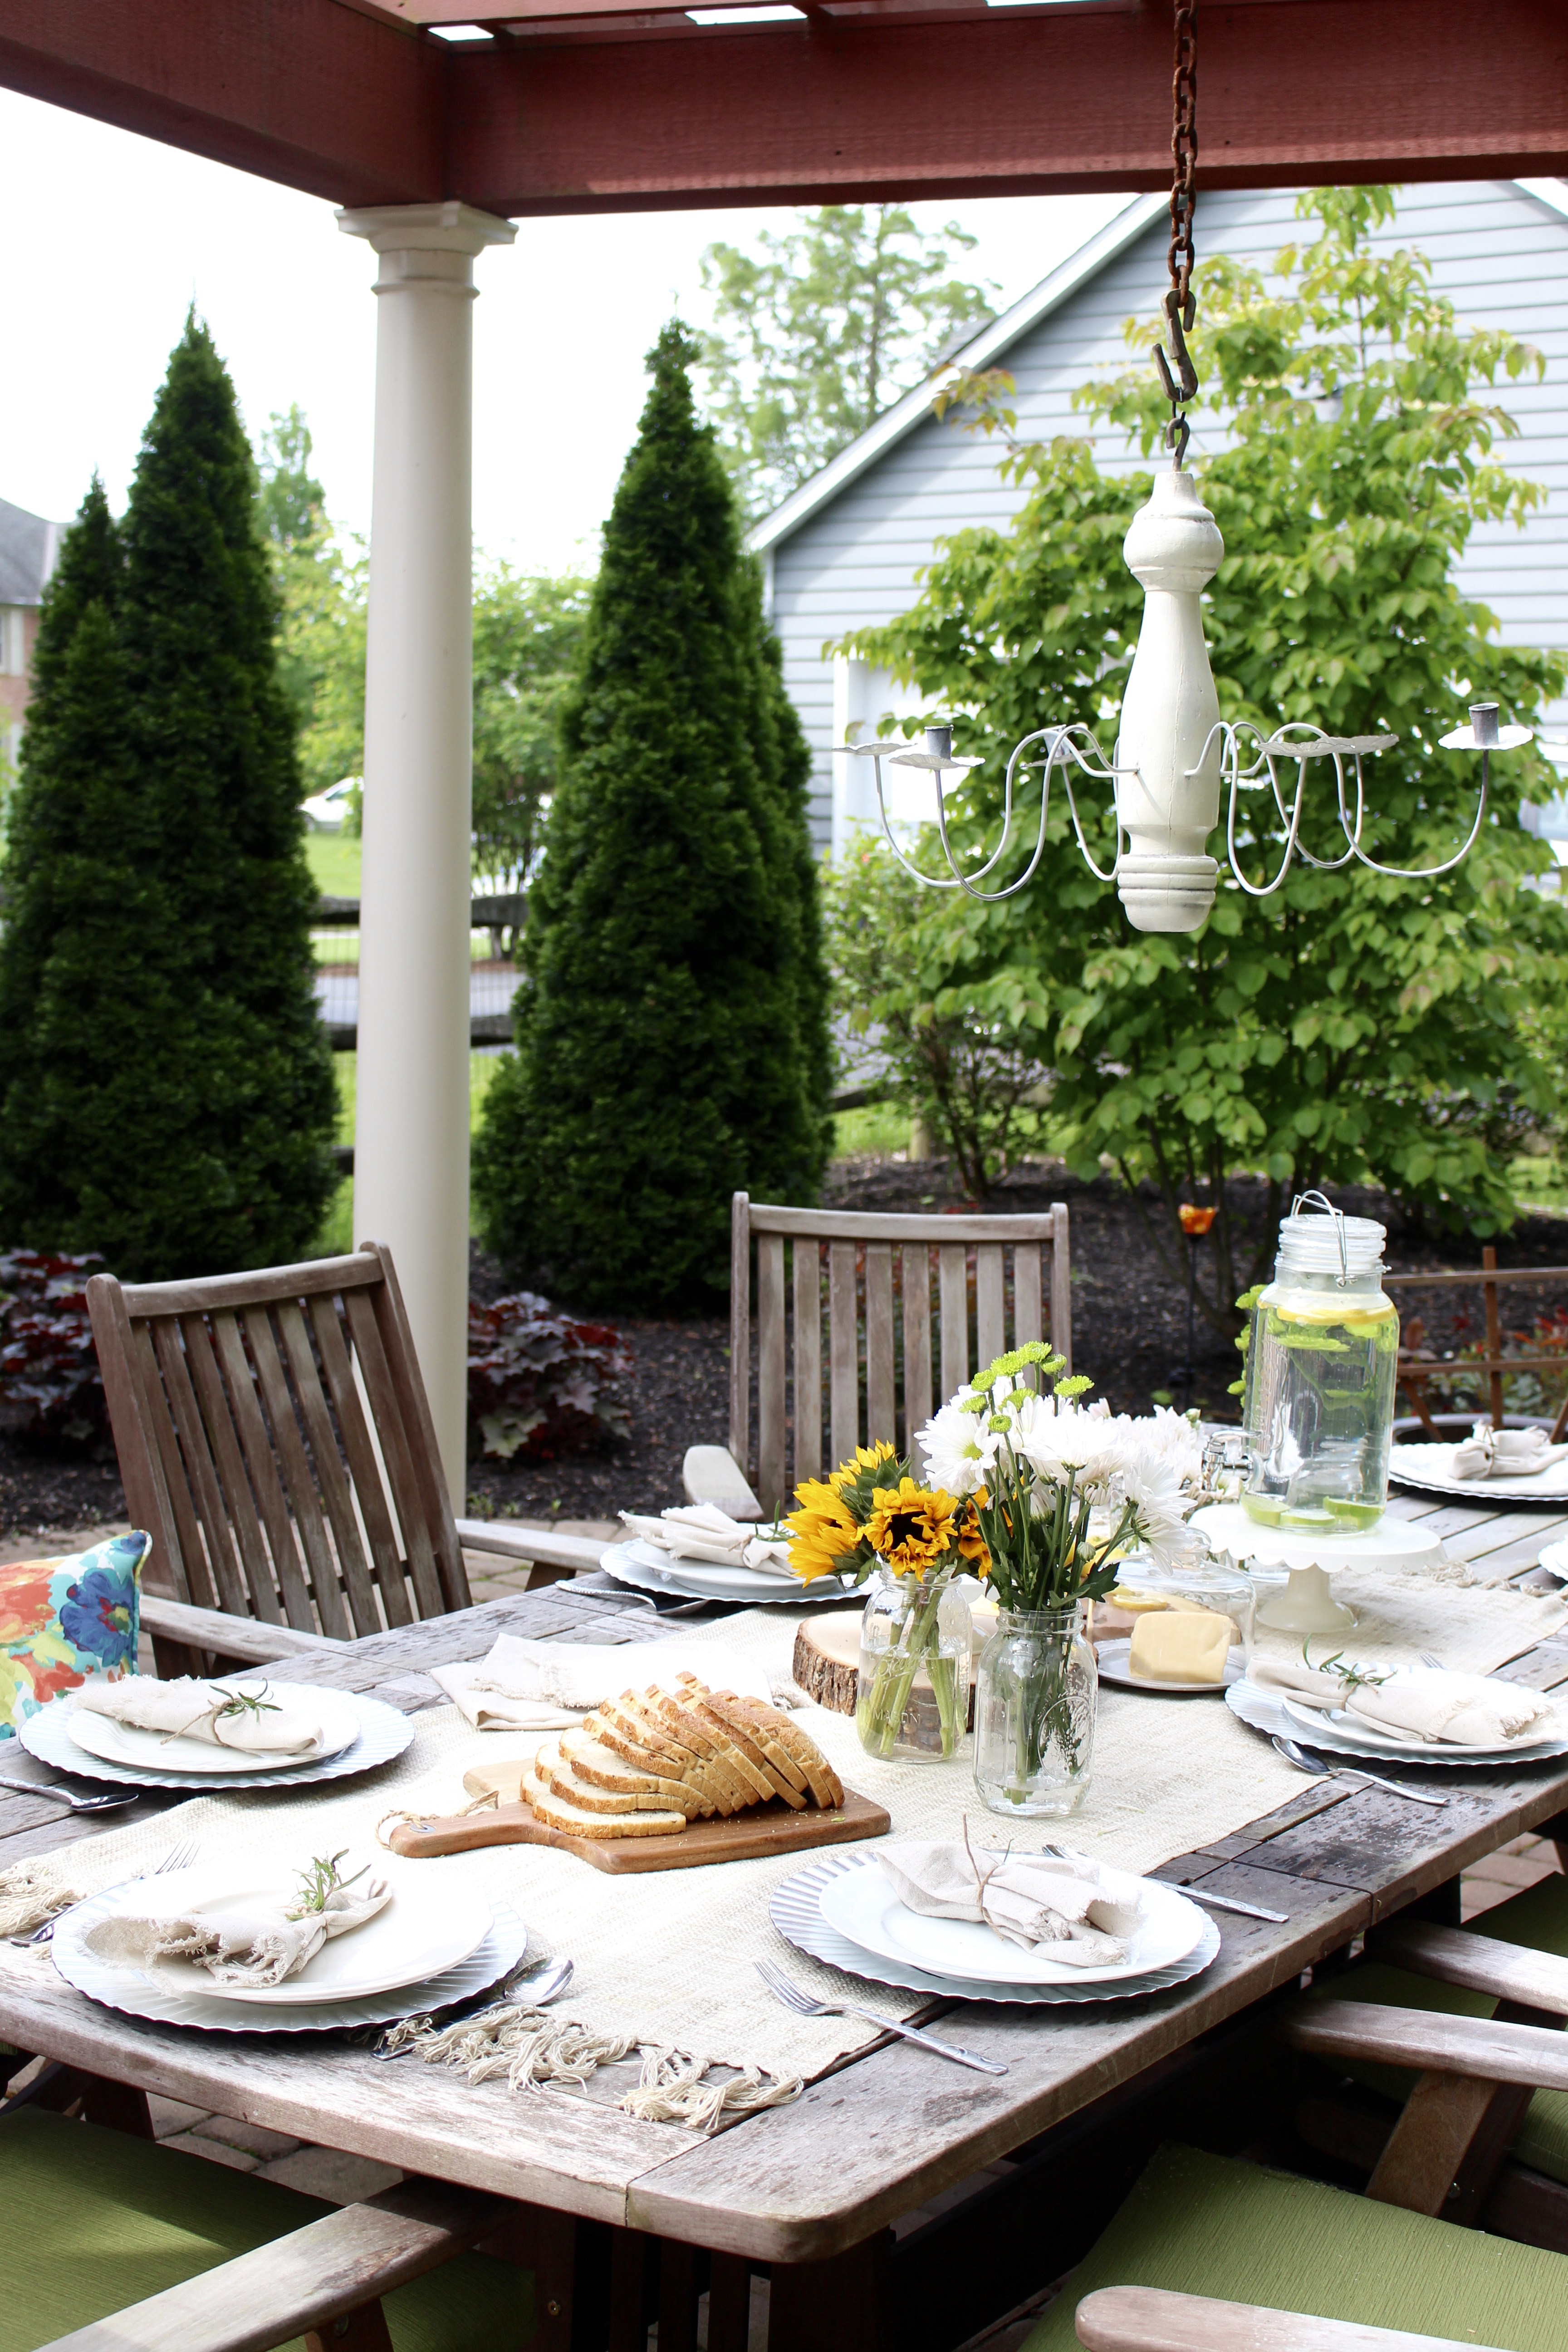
(1181,383)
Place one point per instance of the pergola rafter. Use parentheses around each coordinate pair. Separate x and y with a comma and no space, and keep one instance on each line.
(589,106)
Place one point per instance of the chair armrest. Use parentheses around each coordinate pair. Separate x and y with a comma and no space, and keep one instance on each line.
(1454,1956)
(575,1552)
(249,1639)
(711,1473)
(1155,2319)
(306,2280)
(1534,2055)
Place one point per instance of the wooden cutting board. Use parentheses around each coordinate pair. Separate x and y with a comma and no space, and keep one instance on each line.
(765,1829)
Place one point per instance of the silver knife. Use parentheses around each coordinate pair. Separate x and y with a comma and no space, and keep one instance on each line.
(1228,1903)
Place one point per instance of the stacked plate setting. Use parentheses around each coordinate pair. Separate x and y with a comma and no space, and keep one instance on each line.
(843,1910)
(651,1569)
(410,1957)
(357,1734)
(1430,1470)
(1340,1733)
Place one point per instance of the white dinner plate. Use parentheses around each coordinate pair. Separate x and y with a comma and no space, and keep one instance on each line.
(1346,1726)
(124,1743)
(866,1909)
(1262,1710)
(422,1932)
(152,1992)
(1114,1668)
(383,1732)
(795,1908)
(1430,1470)
(644,1566)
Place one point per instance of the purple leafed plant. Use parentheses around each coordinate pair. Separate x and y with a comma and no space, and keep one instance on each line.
(50,1383)
(541,1383)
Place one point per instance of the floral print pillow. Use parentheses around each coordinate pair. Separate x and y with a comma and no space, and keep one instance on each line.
(62,1620)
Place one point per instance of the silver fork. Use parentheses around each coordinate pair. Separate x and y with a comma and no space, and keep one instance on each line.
(180,1856)
(783,1989)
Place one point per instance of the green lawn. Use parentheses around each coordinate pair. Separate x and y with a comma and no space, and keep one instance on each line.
(334,861)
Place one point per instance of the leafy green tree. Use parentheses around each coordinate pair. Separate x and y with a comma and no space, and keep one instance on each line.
(1349,1028)
(671,1024)
(165,1090)
(973,1084)
(290,501)
(820,328)
(528,632)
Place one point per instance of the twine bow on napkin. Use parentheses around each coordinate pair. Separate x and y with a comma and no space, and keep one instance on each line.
(1490,1452)
(263,1947)
(239,1715)
(702,1531)
(1060,1906)
(1462,1710)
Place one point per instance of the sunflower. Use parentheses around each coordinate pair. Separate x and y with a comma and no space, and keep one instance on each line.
(971,1542)
(823,1528)
(910,1526)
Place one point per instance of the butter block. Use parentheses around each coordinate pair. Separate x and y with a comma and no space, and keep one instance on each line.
(1188,1645)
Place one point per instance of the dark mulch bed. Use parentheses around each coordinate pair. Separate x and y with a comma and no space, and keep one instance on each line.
(1130,1327)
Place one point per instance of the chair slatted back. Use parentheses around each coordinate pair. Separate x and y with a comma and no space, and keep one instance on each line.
(275,1441)
(863,1283)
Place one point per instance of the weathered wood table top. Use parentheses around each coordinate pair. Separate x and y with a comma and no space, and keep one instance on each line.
(888,2127)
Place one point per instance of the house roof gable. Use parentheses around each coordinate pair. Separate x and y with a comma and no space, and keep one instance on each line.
(28,546)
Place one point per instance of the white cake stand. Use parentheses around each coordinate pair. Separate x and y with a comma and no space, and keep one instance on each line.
(1307,1605)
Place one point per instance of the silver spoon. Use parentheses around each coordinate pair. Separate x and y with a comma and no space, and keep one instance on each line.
(1305,1760)
(107,1804)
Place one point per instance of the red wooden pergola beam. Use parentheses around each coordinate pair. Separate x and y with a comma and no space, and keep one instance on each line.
(1340,90)
(337,97)
(333,99)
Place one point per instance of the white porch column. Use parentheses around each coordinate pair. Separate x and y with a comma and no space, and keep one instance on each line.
(411,1128)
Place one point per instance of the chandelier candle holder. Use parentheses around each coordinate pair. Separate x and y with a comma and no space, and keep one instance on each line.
(1176,758)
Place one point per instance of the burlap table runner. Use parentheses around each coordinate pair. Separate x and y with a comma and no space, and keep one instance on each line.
(669,1955)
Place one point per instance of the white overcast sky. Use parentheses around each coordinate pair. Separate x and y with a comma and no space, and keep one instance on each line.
(113,237)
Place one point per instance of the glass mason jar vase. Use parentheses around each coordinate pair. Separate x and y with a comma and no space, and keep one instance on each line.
(912,1702)
(1321,1365)
(1036,1686)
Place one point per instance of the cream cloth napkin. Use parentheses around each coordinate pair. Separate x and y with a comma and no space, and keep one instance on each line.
(1421,1702)
(1061,1908)
(524,1686)
(213,1711)
(1490,1452)
(702,1531)
(257,1948)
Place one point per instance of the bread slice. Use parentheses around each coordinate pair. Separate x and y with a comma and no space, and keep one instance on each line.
(701,1764)
(587,1761)
(712,1743)
(790,1785)
(748,1719)
(560,1812)
(777,1736)
(625,1725)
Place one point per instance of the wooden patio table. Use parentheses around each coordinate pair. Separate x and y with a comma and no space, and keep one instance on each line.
(816,2189)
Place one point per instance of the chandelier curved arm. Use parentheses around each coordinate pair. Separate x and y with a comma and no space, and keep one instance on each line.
(930,881)
(1423,873)
(1251,781)
(966,882)
(1106,771)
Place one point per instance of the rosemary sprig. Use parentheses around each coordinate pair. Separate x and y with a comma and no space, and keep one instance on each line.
(1350,1677)
(321,1882)
(239,1702)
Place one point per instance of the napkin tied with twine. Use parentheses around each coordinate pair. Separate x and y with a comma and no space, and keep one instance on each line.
(702,1531)
(258,1948)
(1060,1906)
(237,1714)
(1490,1452)
(523,1685)
(1434,1704)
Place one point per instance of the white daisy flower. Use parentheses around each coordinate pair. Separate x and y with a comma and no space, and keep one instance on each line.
(958,1448)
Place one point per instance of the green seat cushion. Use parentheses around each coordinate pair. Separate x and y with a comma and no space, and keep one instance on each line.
(93,2219)
(1539,1919)
(1212,2225)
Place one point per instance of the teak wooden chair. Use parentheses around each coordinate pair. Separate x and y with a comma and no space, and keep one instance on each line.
(1417,1372)
(879,1366)
(275,1440)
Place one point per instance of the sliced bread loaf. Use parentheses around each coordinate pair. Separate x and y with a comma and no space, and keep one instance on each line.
(580,1820)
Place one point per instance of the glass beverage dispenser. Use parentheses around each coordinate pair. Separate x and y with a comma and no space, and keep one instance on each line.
(1321,1368)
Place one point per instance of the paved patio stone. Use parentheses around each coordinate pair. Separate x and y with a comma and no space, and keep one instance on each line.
(216,2151)
(327,2173)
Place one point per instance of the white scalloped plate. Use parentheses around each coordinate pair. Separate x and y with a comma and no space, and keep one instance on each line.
(795,1908)
(864,1907)
(138,1992)
(384,1733)
(649,1570)
(1428,1470)
(1262,1712)
(114,1742)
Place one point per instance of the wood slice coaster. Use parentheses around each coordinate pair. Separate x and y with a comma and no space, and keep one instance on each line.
(763,1830)
(826,1662)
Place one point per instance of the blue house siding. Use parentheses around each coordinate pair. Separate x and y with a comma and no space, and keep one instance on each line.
(844,553)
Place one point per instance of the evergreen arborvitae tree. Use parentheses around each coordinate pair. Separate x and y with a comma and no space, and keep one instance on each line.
(672,1023)
(165,1088)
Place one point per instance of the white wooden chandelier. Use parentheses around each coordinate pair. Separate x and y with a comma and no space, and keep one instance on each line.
(1174,753)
